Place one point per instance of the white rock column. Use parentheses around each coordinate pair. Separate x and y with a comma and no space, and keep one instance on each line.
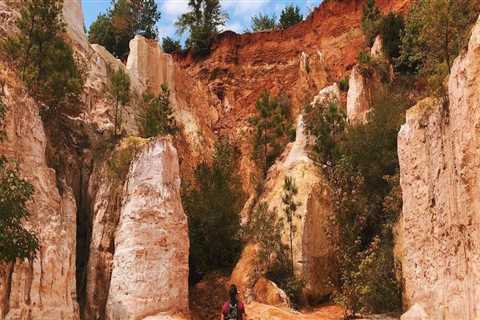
(150,264)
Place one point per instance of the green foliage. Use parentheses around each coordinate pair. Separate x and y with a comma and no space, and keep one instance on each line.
(170,45)
(119,87)
(44,60)
(213,204)
(262,22)
(15,240)
(344,85)
(102,32)
(390,29)
(435,31)
(371,18)
(265,229)
(363,172)
(202,22)
(121,157)
(326,123)
(290,16)
(122,22)
(273,129)
(289,208)
(158,118)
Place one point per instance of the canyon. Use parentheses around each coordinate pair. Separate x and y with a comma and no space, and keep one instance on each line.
(112,230)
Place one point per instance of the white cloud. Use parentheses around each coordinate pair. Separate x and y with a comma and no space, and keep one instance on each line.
(174,7)
(237,7)
(234,26)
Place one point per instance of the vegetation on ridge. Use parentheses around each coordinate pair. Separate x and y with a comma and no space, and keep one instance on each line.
(45,62)
(126,18)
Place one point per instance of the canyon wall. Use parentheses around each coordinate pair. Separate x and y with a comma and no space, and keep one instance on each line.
(439,237)
(45,287)
(313,240)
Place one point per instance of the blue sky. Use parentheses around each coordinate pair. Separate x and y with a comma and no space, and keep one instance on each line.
(240,11)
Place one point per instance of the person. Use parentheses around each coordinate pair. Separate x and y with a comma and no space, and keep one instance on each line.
(233,309)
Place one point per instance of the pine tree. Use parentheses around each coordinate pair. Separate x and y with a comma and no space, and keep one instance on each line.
(371,18)
(213,204)
(273,129)
(45,61)
(263,22)
(159,118)
(120,91)
(290,16)
(202,22)
(290,207)
(170,45)
(122,22)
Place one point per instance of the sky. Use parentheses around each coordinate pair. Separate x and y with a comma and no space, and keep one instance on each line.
(239,11)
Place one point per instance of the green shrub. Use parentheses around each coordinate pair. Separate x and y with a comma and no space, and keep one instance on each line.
(265,228)
(158,118)
(213,203)
(121,157)
(343,85)
(126,18)
(435,31)
(327,125)
(119,89)
(262,22)
(202,22)
(273,129)
(371,18)
(390,29)
(170,45)
(363,173)
(44,60)
(290,16)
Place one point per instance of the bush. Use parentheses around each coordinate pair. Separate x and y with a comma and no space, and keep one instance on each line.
(44,60)
(203,22)
(121,157)
(265,228)
(273,129)
(371,17)
(330,122)
(158,118)
(213,203)
(390,29)
(363,172)
(122,22)
(119,89)
(344,85)
(170,45)
(290,16)
(435,31)
(262,22)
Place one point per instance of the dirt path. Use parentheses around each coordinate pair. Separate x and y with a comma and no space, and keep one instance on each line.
(207,297)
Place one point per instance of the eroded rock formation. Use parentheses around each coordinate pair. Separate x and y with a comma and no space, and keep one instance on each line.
(314,236)
(439,236)
(150,263)
(43,288)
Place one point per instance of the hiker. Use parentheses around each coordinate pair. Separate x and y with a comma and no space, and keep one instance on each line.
(233,309)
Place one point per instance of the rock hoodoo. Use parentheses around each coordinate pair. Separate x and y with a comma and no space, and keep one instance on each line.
(439,237)
(150,263)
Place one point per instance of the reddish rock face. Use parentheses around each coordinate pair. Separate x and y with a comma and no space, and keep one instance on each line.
(298,62)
